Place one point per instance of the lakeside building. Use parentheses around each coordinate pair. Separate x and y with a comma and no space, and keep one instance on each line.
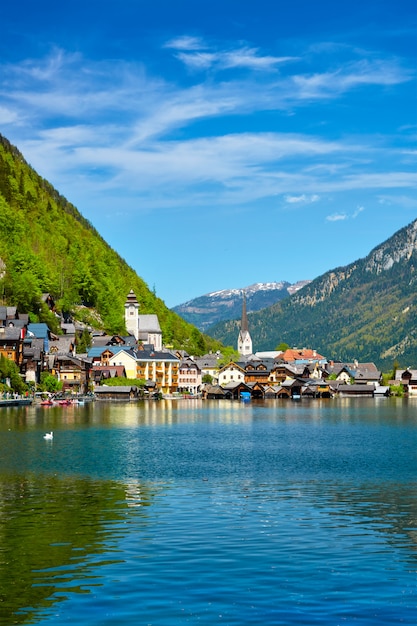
(140,354)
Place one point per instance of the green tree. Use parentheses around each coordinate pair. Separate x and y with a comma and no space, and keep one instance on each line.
(229,354)
(281,347)
(84,342)
(10,375)
(49,383)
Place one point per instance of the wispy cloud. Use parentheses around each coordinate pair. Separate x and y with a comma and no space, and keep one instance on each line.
(303,199)
(341,217)
(186,42)
(198,55)
(337,217)
(349,76)
(111,126)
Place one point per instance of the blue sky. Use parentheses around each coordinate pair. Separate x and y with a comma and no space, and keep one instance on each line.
(219,144)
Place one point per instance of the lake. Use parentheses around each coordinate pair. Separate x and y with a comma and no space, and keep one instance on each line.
(210,512)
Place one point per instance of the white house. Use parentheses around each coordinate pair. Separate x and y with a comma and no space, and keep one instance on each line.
(231,373)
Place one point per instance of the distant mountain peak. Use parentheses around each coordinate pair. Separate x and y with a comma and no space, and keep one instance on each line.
(366,310)
(226,304)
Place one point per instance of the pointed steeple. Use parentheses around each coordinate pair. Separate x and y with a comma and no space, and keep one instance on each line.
(244,321)
(244,342)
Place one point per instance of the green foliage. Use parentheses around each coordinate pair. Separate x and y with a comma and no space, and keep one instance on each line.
(49,247)
(9,375)
(397,390)
(49,383)
(281,347)
(207,378)
(365,311)
(119,381)
(229,354)
(84,342)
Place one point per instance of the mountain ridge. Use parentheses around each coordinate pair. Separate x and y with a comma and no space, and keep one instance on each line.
(365,310)
(48,246)
(226,304)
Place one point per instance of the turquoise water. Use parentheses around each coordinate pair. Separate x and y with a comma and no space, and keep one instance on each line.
(190,512)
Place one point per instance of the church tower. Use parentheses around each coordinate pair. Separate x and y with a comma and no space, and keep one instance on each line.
(132,315)
(244,342)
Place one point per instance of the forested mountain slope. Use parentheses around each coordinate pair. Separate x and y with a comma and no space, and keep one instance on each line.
(46,245)
(366,310)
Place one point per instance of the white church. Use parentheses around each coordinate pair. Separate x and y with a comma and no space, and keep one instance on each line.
(244,341)
(145,328)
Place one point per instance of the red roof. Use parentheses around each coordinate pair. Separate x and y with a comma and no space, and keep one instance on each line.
(306,354)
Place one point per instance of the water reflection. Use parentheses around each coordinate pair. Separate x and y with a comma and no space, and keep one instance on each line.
(54,533)
(169,512)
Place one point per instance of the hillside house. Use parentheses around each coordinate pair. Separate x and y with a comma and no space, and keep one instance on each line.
(231,373)
(408,380)
(73,372)
(258,372)
(101,373)
(189,377)
(158,367)
(302,357)
(283,371)
(34,360)
(11,344)
(126,358)
(209,365)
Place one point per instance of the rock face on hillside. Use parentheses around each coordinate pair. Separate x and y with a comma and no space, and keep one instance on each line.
(204,311)
(364,311)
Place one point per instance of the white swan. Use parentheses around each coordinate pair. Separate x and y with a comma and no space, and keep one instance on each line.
(49,435)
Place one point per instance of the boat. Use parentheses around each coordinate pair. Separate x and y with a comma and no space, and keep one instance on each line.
(16,402)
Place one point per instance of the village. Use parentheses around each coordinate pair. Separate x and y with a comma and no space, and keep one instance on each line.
(294,373)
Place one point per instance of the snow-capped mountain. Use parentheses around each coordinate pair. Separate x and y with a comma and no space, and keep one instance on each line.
(226,304)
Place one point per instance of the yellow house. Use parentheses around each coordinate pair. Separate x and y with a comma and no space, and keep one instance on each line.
(159,367)
(128,360)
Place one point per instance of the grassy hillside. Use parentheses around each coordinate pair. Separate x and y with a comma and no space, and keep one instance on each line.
(46,245)
(366,310)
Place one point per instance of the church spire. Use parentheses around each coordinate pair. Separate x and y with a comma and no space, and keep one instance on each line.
(244,321)
(244,342)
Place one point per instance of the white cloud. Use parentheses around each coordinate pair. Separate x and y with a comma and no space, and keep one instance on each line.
(348,76)
(197,55)
(337,217)
(110,126)
(7,116)
(303,199)
(186,42)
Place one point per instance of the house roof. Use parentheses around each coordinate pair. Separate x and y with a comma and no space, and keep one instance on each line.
(69,329)
(10,333)
(148,323)
(153,355)
(208,361)
(41,330)
(305,354)
(62,345)
(126,350)
(115,389)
